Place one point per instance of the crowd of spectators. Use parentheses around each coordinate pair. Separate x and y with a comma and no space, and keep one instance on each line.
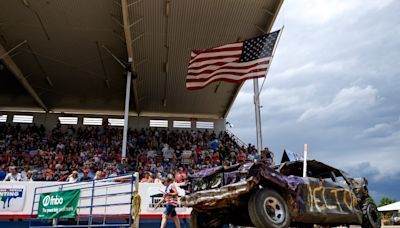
(67,153)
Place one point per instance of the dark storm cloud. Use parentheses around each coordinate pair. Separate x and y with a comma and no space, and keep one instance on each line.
(380,185)
(334,84)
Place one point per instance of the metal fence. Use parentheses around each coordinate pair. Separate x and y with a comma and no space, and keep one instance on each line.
(102,203)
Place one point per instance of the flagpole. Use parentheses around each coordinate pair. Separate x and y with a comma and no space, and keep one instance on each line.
(257,100)
(258,116)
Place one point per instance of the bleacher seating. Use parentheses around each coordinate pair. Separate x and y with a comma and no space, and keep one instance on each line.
(55,154)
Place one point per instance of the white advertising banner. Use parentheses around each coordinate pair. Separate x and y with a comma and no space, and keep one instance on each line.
(23,205)
(12,197)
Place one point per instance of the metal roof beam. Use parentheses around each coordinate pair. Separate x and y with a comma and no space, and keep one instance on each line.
(138,37)
(268,12)
(12,49)
(20,76)
(128,40)
(133,3)
(135,22)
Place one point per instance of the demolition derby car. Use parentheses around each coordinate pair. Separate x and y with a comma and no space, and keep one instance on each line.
(254,194)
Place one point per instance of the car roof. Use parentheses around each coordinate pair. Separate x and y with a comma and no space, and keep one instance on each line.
(314,168)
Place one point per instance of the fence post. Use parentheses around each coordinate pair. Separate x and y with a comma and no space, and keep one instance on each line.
(136,199)
(33,206)
(91,205)
(55,221)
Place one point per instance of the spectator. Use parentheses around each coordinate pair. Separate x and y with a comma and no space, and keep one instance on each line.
(178,177)
(50,176)
(99,175)
(2,173)
(269,156)
(40,176)
(24,172)
(73,177)
(55,155)
(13,175)
(85,176)
(147,178)
(92,173)
(29,176)
(159,168)
(168,153)
(241,156)
(216,158)
(158,178)
(114,172)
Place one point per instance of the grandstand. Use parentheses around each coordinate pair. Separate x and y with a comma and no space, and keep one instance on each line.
(58,70)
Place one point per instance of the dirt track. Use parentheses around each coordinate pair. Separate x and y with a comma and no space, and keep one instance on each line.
(382,226)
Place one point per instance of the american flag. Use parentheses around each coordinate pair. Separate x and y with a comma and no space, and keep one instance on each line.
(234,62)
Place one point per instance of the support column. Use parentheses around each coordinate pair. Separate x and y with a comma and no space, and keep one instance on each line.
(258,116)
(127,100)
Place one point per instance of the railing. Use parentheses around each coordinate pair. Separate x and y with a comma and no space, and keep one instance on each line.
(102,203)
(236,139)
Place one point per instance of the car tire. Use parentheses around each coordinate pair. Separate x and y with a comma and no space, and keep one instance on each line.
(268,209)
(371,216)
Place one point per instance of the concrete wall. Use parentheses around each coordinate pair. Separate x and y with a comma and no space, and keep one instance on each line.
(50,120)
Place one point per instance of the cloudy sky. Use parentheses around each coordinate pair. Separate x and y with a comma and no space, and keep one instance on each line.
(335,84)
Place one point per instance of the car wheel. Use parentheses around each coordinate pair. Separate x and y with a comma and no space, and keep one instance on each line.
(371,216)
(268,209)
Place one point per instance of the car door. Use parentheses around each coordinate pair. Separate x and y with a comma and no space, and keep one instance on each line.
(329,202)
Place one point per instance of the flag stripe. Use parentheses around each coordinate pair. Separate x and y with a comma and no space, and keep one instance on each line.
(227,46)
(229,71)
(227,78)
(215,65)
(218,65)
(225,52)
(224,80)
(238,44)
(229,66)
(224,75)
(225,59)
(232,65)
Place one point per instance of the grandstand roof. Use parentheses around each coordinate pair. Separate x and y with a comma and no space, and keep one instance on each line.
(63,66)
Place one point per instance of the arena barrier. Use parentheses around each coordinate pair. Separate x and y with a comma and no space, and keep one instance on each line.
(17,200)
(102,203)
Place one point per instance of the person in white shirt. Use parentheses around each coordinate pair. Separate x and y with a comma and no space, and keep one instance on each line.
(168,153)
(73,177)
(28,176)
(159,178)
(24,172)
(13,175)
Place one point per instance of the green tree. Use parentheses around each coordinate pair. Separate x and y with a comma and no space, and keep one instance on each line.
(372,199)
(386,201)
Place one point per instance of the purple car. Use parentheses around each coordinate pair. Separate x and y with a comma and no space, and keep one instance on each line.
(254,194)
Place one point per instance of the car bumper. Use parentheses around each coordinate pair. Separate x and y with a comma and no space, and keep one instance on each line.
(220,197)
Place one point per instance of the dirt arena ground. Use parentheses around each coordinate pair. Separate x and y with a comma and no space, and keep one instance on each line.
(382,226)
